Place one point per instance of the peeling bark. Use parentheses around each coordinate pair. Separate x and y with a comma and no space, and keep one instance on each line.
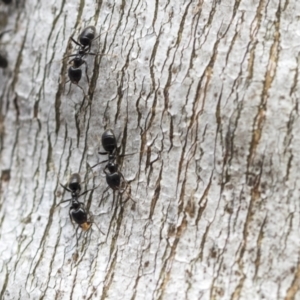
(206,94)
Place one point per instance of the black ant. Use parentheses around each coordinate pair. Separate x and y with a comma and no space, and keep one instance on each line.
(77,211)
(85,42)
(75,72)
(114,178)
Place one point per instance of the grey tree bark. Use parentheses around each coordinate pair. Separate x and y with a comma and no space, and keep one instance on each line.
(206,94)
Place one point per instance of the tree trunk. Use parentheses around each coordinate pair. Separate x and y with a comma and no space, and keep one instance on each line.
(205,93)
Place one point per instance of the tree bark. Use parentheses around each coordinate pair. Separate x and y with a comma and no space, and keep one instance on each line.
(205,93)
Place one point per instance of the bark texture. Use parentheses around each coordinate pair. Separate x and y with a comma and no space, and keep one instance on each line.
(206,93)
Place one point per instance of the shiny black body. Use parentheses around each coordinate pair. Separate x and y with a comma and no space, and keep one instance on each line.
(87,36)
(74,74)
(75,184)
(79,215)
(109,141)
(114,178)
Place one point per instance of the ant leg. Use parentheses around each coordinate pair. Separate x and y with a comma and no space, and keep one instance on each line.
(91,217)
(103,32)
(77,236)
(98,53)
(99,228)
(105,171)
(127,194)
(130,197)
(65,86)
(69,56)
(66,188)
(75,42)
(88,191)
(80,88)
(86,70)
(99,163)
(104,197)
(115,200)
(97,37)
(69,88)
(103,153)
(127,154)
(70,216)
(63,202)
(125,189)
(3,32)
(72,60)
(124,183)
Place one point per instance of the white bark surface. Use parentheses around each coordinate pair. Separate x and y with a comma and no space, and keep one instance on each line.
(206,93)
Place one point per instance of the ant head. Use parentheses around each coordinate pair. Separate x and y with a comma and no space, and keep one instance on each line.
(75,74)
(74,184)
